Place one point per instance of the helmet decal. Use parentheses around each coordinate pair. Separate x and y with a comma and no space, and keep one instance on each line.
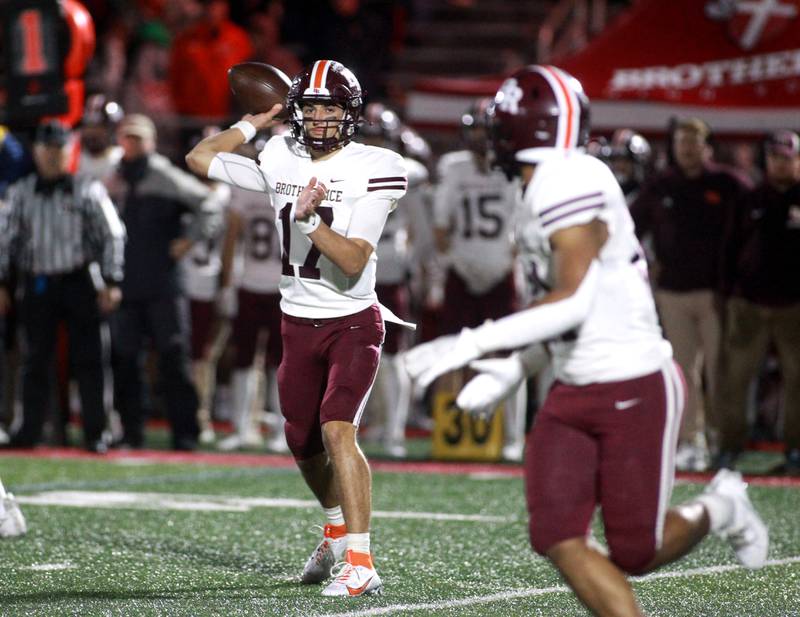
(508,97)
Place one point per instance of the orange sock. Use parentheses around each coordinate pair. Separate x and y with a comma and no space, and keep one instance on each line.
(357,558)
(335,531)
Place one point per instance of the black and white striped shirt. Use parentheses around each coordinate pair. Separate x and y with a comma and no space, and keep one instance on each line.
(60,229)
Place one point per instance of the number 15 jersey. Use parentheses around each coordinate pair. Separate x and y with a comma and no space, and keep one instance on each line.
(357,177)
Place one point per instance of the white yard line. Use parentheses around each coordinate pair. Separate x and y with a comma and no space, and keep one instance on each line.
(530,593)
(49,567)
(219,503)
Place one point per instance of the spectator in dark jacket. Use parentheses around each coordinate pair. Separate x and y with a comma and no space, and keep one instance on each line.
(762,275)
(686,210)
(153,196)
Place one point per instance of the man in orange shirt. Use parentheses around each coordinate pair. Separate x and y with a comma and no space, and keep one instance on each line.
(201,56)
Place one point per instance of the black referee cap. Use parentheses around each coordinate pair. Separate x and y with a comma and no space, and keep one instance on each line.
(52,133)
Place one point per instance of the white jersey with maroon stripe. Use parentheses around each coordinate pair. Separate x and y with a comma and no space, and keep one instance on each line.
(621,338)
(203,263)
(311,285)
(259,255)
(478,209)
(393,249)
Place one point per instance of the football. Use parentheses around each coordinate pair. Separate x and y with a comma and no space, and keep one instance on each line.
(257,87)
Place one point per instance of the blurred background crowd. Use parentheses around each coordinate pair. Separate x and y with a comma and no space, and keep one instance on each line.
(164,305)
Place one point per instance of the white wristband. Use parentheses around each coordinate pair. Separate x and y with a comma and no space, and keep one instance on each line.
(247,129)
(310,224)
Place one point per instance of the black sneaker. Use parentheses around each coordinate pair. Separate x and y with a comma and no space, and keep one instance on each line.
(184,444)
(792,466)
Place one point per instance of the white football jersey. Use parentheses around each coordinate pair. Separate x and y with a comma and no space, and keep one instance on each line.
(477,207)
(621,338)
(259,256)
(393,249)
(311,285)
(203,263)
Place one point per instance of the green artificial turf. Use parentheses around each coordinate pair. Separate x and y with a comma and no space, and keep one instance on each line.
(154,559)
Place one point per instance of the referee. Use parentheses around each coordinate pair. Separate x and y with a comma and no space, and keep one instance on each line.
(64,237)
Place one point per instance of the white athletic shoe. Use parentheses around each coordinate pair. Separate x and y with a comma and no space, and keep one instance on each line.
(207,436)
(276,442)
(353,580)
(514,452)
(693,455)
(746,532)
(251,439)
(328,552)
(12,523)
(395,449)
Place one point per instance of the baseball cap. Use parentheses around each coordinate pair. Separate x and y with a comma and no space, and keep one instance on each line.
(786,143)
(52,133)
(137,125)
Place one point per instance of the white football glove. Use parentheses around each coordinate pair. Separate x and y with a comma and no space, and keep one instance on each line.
(419,359)
(497,379)
(455,353)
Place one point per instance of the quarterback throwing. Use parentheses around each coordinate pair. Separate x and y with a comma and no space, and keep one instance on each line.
(331,197)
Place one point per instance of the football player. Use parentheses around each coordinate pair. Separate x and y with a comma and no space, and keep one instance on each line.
(473,209)
(389,404)
(630,157)
(201,267)
(250,292)
(331,198)
(99,154)
(607,432)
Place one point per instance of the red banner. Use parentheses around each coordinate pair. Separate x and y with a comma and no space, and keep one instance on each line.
(712,53)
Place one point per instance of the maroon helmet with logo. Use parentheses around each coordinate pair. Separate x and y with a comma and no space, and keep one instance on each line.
(538,112)
(325,81)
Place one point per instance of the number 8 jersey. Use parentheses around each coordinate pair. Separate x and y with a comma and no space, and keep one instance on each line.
(356,177)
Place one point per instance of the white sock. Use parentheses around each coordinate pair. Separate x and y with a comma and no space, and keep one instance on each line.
(358,542)
(719,509)
(334,515)
(243,384)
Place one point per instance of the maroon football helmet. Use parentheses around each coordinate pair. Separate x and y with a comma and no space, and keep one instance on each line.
(538,112)
(474,125)
(382,126)
(325,81)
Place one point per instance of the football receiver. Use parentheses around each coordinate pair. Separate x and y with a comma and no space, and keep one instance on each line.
(606,434)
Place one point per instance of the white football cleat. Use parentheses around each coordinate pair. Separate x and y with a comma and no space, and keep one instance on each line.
(395,449)
(354,579)
(251,439)
(207,436)
(746,532)
(277,443)
(12,523)
(328,552)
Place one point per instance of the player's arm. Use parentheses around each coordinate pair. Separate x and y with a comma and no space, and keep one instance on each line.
(576,272)
(199,158)
(443,195)
(349,253)
(233,230)
(575,250)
